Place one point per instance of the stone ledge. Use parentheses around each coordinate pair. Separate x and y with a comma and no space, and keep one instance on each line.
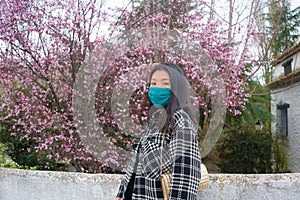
(49,185)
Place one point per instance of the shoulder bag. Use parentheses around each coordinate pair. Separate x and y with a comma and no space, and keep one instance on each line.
(166,178)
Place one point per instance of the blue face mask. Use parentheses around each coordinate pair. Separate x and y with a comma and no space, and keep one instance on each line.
(159,96)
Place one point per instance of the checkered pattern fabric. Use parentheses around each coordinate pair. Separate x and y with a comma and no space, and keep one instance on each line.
(180,155)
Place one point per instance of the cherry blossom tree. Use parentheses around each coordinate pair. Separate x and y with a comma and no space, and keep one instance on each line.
(43,44)
(78,95)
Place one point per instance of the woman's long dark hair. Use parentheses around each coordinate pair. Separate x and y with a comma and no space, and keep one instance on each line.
(180,98)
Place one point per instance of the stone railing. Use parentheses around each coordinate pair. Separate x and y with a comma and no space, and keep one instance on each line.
(18,184)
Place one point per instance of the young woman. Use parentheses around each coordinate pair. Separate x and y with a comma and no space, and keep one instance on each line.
(169,143)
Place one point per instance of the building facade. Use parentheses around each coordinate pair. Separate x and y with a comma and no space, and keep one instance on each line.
(285,103)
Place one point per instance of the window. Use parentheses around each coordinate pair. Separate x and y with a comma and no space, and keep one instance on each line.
(282,119)
(287,67)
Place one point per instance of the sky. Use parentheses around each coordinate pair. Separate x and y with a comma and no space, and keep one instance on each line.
(295,4)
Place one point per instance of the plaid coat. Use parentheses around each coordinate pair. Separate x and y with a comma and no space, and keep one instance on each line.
(180,154)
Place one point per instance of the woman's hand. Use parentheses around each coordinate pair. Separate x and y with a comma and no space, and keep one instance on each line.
(119,198)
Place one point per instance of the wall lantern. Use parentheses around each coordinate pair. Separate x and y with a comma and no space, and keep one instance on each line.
(259,125)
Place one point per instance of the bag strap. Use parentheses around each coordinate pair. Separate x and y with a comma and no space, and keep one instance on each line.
(129,189)
(161,150)
(137,158)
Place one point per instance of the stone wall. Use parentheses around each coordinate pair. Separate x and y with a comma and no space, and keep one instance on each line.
(293,139)
(44,185)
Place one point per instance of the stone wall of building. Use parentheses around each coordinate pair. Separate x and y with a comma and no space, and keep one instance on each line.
(290,96)
(45,185)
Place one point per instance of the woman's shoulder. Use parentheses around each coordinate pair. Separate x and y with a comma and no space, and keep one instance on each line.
(182,119)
